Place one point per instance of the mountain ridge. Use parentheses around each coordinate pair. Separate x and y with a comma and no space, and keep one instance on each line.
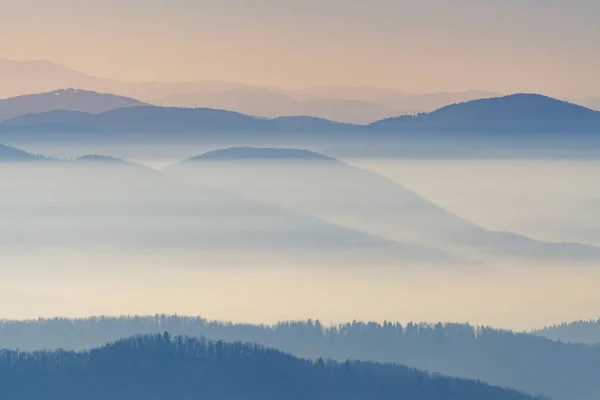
(352,104)
(514,113)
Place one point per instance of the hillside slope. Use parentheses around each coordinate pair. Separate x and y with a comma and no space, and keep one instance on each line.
(161,367)
(98,200)
(514,113)
(573,332)
(313,184)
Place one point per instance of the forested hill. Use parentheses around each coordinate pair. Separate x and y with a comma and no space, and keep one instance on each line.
(161,367)
(574,332)
(524,362)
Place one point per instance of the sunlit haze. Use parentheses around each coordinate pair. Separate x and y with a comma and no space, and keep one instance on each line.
(299,199)
(415,46)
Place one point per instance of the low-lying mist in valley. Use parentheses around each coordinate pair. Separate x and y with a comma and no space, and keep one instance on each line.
(62,282)
(549,199)
(263,235)
(299,200)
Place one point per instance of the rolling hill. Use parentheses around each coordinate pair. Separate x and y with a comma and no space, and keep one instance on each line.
(573,332)
(516,107)
(313,184)
(152,119)
(63,99)
(102,201)
(510,115)
(161,367)
(514,113)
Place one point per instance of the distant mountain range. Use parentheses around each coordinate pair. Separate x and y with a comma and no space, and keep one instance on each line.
(152,119)
(64,99)
(510,114)
(359,105)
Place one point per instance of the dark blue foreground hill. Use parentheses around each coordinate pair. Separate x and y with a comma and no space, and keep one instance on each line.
(523,362)
(158,367)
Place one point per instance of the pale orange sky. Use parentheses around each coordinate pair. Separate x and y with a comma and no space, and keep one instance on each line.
(546,46)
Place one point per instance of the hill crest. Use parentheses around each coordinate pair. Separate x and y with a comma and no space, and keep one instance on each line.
(70,99)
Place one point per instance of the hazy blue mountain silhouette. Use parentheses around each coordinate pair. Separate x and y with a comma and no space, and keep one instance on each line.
(311,183)
(183,368)
(517,111)
(12,154)
(520,107)
(573,332)
(509,114)
(151,119)
(273,103)
(100,195)
(63,99)
(50,118)
(359,105)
